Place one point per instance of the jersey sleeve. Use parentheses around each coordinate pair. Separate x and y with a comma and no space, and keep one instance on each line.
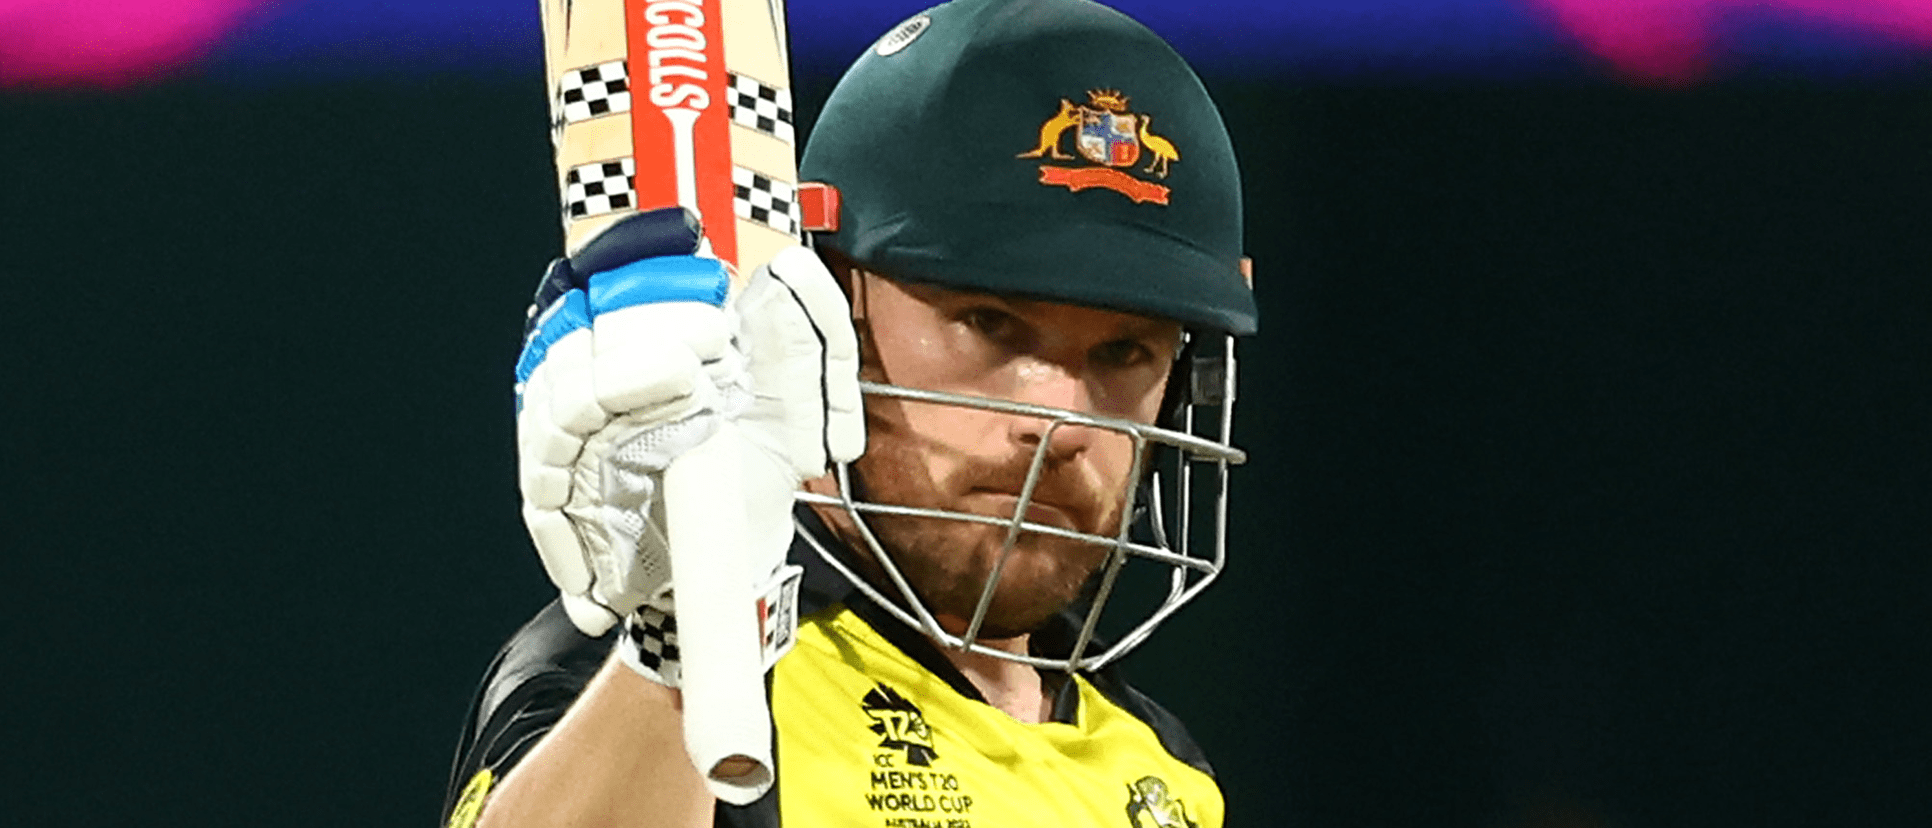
(535,678)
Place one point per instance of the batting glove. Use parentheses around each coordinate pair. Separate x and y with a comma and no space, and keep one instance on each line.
(795,330)
(805,412)
(627,363)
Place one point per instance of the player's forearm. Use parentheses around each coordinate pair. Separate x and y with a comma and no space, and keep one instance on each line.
(616,759)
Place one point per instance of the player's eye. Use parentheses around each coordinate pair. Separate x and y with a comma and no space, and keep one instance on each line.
(1121,353)
(991,322)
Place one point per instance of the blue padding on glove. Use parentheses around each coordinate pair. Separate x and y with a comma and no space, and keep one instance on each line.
(570,313)
(643,259)
(665,279)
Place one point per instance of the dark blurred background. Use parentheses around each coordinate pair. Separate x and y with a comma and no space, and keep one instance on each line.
(1589,426)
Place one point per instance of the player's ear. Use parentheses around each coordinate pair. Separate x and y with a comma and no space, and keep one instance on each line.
(851,279)
(857,288)
(855,281)
(856,292)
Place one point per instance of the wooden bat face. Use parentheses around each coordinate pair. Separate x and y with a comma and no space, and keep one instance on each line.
(658,103)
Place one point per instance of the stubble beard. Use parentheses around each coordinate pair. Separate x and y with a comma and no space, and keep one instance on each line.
(948,562)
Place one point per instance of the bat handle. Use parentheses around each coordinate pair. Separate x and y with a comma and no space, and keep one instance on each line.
(727,718)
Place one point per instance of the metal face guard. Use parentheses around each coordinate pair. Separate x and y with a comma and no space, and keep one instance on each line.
(1165,543)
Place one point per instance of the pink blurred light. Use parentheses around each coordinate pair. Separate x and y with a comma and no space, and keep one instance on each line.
(108,43)
(1657,39)
(1671,42)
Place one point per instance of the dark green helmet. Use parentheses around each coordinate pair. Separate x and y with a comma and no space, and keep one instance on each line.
(1048,148)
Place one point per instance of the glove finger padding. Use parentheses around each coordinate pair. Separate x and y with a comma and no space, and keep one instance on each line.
(795,328)
(618,380)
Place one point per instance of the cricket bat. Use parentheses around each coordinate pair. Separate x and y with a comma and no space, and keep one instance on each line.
(661,103)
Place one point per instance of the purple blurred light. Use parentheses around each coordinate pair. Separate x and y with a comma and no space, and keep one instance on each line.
(1648,41)
(1323,37)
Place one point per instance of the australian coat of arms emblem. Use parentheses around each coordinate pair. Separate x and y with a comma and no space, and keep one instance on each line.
(1149,805)
(1112,138)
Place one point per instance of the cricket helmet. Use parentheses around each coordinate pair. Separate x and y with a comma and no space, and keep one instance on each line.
(1056,150)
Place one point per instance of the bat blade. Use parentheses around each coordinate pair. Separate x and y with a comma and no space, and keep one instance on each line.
(660,103)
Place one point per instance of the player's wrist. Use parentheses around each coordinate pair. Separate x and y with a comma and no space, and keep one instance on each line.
(648,644)
(647,641)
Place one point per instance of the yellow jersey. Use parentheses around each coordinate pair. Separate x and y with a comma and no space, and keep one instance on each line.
(876,729)
(867,736)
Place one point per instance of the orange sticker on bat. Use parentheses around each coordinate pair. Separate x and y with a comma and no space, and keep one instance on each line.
(680,121)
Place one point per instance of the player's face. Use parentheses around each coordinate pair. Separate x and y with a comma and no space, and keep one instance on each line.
(948,457)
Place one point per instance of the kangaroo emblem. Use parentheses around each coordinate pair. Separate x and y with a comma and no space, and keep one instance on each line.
(1051,131)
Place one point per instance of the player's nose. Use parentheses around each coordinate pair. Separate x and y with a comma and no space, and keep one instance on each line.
(1049,385)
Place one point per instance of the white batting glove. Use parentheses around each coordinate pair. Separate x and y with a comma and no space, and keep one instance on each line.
(805,412)
(795,331)
(624,370)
